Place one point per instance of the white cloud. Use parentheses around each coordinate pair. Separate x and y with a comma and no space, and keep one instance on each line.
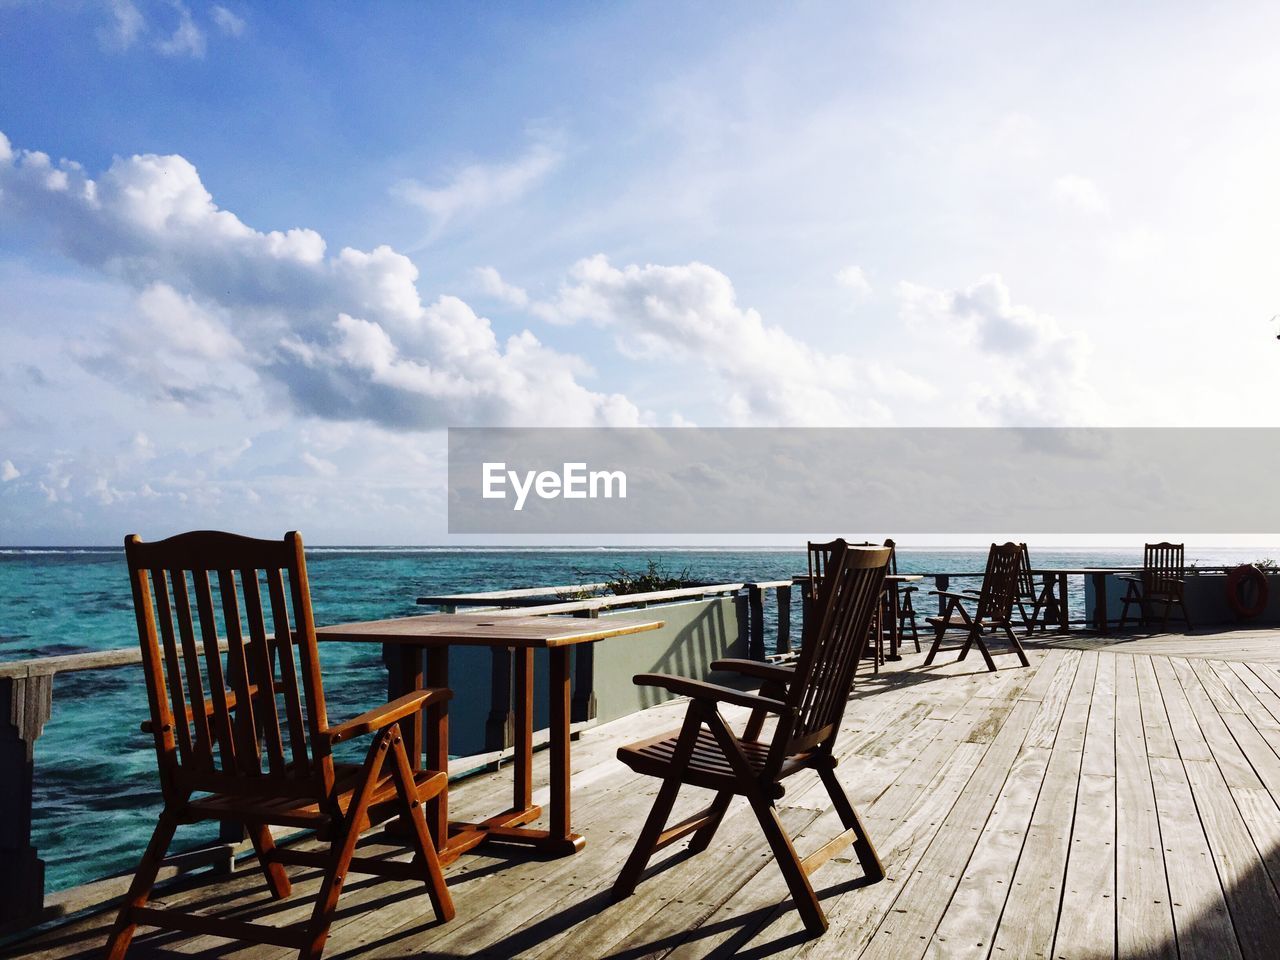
(346,335)
(127,24)
(187,39)
(1026,369)
(491,282)
(479,186)
(765,375)
(226,21)
(1079,193)
(854,279)
(8,471)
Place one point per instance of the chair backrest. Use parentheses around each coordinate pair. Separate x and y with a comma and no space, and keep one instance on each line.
(235,706)
(848,597)
(1026,584)
(1163,564)
(893,557)
(1000,582)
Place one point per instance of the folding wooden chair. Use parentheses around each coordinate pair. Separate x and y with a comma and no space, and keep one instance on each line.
(994,607)
(214,718)
(808,703)
(1160,583)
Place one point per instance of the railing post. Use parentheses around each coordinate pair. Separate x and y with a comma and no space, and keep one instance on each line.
(941,582)
(784,618)
(755,606)
(25,703)
(583,706)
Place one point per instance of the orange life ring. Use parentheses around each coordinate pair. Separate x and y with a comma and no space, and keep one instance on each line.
(1253,581)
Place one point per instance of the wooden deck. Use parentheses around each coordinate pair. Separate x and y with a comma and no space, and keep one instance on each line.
(1119,799)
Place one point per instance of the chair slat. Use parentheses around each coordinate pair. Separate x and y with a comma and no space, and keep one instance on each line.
(288,670)
(222,724)
(245,725)
(308,655)
(262,672)
(203,743)
(164,614)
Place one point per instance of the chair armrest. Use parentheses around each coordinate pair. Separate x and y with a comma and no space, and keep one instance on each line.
(700,690)
(953,596)
(387,714)
(1131,578)
(756,669)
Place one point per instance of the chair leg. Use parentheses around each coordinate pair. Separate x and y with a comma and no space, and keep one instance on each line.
(263,845)
(424,848)
(862,845)
(1017,646)
(975,637)
(144,879)
(715,813)
(625,885)
(938,631)
(344,848)
(802,894)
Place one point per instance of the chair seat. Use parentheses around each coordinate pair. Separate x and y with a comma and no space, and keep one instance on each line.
(708,766)
(305,811)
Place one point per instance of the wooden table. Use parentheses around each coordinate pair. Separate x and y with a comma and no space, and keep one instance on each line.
(436,633)
(1099,576)
(891,582)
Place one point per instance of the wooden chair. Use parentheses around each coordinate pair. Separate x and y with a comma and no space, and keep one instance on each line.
(1161,581)
(239,738)
(1042,599)
(808,703)
(994,607)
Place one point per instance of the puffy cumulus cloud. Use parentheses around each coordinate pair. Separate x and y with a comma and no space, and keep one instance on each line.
(766,376)
(1028,370)
(347,334)
(8,471)
(482,185)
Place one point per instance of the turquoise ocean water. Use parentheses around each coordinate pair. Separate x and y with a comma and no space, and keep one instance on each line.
(96,789)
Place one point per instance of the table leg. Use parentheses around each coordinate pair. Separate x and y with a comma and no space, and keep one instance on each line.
(560,837)
(410,680)
(438,741)
(895,623)
(522,794)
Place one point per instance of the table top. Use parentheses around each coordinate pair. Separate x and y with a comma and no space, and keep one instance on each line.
(484,630)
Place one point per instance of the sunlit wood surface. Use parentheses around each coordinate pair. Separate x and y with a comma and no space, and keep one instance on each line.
(1118,797)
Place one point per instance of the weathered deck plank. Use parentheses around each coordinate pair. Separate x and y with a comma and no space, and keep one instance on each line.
(1121,796)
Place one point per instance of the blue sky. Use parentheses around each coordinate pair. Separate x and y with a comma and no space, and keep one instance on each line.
(253,258)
